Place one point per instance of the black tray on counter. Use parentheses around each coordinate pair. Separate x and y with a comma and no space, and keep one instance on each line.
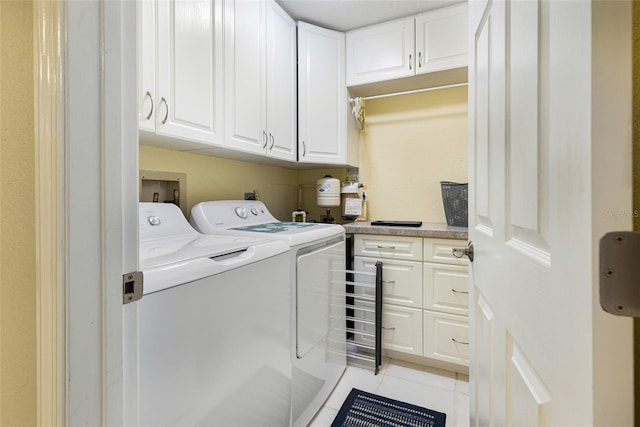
(397,223)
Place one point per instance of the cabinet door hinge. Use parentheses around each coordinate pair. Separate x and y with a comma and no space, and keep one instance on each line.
(131,287)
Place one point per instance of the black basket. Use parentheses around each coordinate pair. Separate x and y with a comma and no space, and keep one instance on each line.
(455,200)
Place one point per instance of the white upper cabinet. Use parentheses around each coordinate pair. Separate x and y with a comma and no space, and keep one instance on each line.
(441,39)
(282,87)
(180,80)
(381,52)
(260,76)
(425,43)
(322,98)
(147,65)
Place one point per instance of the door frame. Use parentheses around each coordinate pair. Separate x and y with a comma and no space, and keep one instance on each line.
(86,204)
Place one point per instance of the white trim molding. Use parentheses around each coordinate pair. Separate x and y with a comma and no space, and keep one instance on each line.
(50,211)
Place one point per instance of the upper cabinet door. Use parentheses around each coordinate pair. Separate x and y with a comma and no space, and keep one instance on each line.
(147,66)
(322,95)
(188,104)
(282,95)
(381,52)
(245,78)
(441,39)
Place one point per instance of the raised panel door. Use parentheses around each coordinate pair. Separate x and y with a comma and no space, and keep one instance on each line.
(322,96)
(380,52)
(282,105)
(245,77)
(441,39)
(545,165)
(189,77)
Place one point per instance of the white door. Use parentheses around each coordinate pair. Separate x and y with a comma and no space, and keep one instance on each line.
(550,144)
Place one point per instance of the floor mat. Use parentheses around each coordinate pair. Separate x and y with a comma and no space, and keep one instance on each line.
(362,409)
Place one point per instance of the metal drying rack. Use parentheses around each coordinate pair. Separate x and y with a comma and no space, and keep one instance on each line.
(364,317)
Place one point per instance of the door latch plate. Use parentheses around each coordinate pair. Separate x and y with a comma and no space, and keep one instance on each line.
(620,273)
(131,287)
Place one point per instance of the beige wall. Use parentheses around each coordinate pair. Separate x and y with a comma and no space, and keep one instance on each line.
(213,178)
(17,216)
(410,143)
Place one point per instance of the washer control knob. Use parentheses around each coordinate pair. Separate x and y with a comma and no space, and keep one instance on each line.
(254,211)
(241,212)
(154,220)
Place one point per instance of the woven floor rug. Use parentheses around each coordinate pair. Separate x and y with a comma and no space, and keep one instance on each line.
(362,409)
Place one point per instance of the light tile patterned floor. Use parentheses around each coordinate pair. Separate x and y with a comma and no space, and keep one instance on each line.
(435,389)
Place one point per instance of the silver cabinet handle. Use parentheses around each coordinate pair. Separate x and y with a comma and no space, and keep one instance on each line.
(466,251)
(150,111)
(273,141)
(393,248)
(166,116)
(388,329)
(410,62)
(304,149)
(459,292)
(419,59)
(459,342)
(264,139)
(389,282)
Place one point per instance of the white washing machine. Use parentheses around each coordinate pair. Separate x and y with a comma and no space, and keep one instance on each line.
(318,276)
(213,341)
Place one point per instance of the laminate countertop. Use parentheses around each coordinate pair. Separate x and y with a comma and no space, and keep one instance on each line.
(433,230)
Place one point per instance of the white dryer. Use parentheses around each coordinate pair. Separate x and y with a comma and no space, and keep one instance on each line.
(318,279)
(213,340)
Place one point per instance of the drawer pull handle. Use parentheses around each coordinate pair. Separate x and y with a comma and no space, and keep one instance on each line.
(389,282)
(388,329)
(459,342)
(459,292)
(393,248)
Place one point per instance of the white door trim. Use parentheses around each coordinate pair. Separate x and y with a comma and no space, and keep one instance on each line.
(86,130)
(50,212)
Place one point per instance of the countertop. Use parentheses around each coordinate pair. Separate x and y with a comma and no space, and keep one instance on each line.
(434,230)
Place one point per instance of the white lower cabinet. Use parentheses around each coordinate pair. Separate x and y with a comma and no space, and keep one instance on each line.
(402,329)
(446,337)
(402,280)
(425,295)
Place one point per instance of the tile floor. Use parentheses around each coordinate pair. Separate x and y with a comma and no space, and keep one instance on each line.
(435,389)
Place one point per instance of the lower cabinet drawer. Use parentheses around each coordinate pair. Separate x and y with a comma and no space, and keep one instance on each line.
(388,247)
(446,337)
(402,329)
(446,288)
(440,250)
(401,280)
